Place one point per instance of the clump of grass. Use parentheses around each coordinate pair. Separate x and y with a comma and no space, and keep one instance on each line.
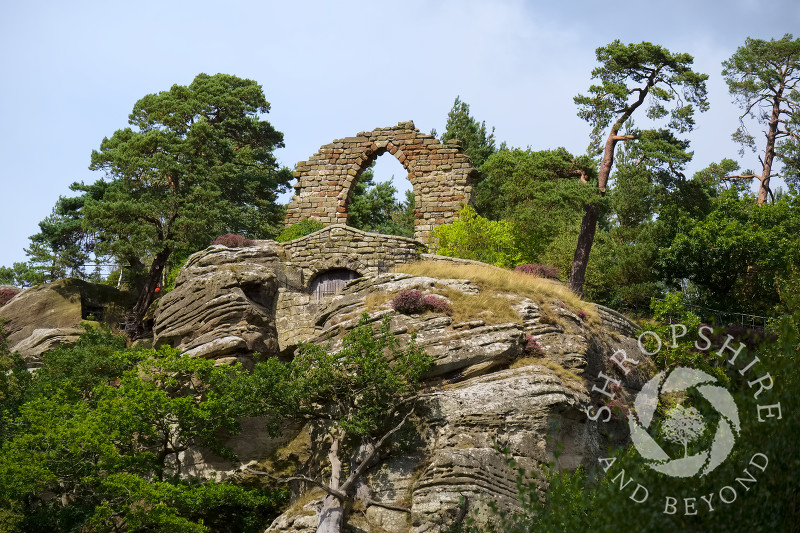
(375,300)
(489,307)
(567,375)
(570,378)
(499,280)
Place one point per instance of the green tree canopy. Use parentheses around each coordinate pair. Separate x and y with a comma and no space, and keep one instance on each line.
(764,79)
(197,162)
(373,207)
(476,141)
(538,192)
(736,253)
(92,442)
(630,76)
(62,247)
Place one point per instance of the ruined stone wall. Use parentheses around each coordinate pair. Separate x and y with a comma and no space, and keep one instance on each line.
(441,174)
(335,246)
(340,246)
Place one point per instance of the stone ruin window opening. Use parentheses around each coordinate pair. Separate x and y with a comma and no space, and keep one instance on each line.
(441,174)
(370,208)
(331,282)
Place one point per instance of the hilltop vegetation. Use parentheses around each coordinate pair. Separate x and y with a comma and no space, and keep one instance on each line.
(93,440)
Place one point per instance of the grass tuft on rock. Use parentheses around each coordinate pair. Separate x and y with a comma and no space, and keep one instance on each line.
(498,280)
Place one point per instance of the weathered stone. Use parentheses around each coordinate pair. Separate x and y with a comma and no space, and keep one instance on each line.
(483,389)
(222,304)
(42,340)
(40,317)
(441,175)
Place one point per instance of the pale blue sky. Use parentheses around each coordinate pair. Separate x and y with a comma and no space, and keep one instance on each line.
(71,72)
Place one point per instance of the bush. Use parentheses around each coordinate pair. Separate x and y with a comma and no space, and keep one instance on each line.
(411,302)
(6,293)
(541,271)
(471,236)
(232,240)
(532,347)
(301,229)
(436,304)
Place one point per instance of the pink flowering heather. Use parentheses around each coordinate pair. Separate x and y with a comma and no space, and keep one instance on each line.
(6,293)
(232,240)
(412,301)
(532,347)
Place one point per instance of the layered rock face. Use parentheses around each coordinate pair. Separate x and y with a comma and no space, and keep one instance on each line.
(223,306)
(484,392)
(40,318)
(488,390)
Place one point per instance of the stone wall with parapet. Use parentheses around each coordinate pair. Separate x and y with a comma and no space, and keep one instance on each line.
(441,174)
(340,246)
(336,246)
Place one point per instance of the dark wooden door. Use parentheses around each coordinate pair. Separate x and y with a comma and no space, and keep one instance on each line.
(331,282)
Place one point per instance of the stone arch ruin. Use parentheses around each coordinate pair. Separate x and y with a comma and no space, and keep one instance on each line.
(441,174)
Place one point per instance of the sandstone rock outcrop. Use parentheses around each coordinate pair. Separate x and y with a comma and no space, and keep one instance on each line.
(42,317)
(231,302)
(484,391)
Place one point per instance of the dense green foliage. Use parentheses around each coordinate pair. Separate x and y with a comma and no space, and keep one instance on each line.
(373,207)
(471,236)
(300,229)
(539,193)
(92,442)
(734,254)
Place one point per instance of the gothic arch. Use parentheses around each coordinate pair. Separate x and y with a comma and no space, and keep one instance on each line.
(441,175)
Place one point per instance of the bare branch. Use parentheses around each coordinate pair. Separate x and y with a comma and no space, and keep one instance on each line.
(741,177)
(362,467)
(337,493)
(387,506)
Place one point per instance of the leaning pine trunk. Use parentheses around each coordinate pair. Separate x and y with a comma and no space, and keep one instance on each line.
(148,291)
(577,274)
(331,515)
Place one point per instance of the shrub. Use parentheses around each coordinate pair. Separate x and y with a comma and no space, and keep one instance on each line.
(6,293)
(410,302)
(471,236)
(532,347)
(541,271)
(232,240)
(301,229)
(437,304)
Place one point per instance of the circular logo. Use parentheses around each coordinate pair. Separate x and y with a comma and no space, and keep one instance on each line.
(683,425)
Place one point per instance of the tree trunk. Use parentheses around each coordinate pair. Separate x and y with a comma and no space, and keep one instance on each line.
(580,260)
(363,492)
(769,151)
(148,291)
(331,513)
(577,273)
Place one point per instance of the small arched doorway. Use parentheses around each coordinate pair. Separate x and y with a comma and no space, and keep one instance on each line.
(331,282)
